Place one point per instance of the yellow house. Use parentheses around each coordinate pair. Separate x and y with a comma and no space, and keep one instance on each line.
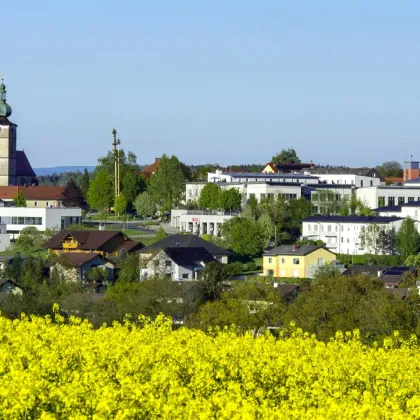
(295,261)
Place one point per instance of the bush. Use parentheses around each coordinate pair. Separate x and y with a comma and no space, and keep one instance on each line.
(234,268)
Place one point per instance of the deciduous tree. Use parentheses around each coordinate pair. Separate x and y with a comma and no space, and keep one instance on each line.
(209,197)
(101,193)
(72,195)
(230,200)
(120,204)
(144,205)
(286,156)
(407,239)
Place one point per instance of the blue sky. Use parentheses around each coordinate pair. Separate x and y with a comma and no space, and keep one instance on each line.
(214,81)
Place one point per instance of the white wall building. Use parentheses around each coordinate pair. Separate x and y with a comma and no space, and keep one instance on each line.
(17,218)
(246,177)
(388,195)
(199,222)
(341,234)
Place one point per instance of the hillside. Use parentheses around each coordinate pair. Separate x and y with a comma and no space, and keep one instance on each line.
(62,169)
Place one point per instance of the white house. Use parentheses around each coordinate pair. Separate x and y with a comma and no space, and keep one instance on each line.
(411,210)
(175,263)
(341,234)
(388,195)
(199,222)
(17,218)
(359,177)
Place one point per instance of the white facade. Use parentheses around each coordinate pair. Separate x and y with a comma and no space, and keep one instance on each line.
(341,234)
(246,177)
(17,218)
(388,195)
(198,222)
(359,181)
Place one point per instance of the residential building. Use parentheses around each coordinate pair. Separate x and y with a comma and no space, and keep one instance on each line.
(285,168)
(359,177)
(149,170)
(247,177)
(187,241)
(295,261)
(199,222)
(410,209)
(107,243)
(175,263)
(35,196)
(342,234)
(78,264)
(15,168)
(17,218)
(388,195)
(9,287)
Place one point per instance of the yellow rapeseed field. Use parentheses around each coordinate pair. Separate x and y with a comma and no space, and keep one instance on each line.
(57,370)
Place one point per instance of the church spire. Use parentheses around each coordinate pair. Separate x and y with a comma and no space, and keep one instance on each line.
(5,110)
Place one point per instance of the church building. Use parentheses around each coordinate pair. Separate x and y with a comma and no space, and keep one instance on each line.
(15,168)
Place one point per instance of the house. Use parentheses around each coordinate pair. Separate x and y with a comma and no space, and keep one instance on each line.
(284,168)
(9,287)
(388,195)
(36,196)
(359,177)
(107,243)
(187,241)
(175,263)
(295,261)
(343,234)
(77,265)
(17,218)
(288,292)
(149,170)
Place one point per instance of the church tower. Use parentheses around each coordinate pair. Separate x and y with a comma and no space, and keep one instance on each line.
(7,142)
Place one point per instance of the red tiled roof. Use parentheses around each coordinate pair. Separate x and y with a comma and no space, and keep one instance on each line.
(32,193)
(395,180)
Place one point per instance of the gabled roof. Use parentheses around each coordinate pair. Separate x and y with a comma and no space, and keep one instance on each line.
(286,289)
(78,259)
(353,219)
(91,240)
(32,193)
(185,241)
(271,166)
(370,270)
(189,257)
(300,250)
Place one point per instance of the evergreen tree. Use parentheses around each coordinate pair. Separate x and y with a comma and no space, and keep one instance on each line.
(72,195)
(19,200)
(84,185)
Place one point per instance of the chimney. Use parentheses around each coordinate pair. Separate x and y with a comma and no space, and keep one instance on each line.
(294,247)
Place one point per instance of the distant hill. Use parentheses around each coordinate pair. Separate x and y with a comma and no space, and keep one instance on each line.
(62,169)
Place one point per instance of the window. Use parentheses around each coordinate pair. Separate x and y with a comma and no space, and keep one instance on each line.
(185,276)
(36,204)
(309,228)
(371,183)
(342,228)
(342,239)
(282,260)
(46,204)
(336,228)
(329,228)
(348,240)
(401,200)
(270,273)
(381,201)
(270,260)
(296,261)
(156,263)
(391,201)
(410,199)
(168,263)
(316,228)
(361,183)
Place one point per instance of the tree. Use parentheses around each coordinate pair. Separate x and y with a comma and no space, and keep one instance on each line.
(19,200)
(72,195)
(369,236)
(344,303)
(211,282)
(129,268)
(97,275)
(285,156)
(167,183)
(29,238)
(132,184)
(385,241)
(160,234)
(251,209)
(120,204)
(243,236)
(230,200)
(250,306)
(101,193)
(267,227)
(407,239)
(84,184)
(144,205)
(209,197)
(390,169)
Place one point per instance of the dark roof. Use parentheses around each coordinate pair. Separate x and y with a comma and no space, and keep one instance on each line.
(189,257)
(395,209)
(91,240)
(185,241)
(268,175)
(286,289)
(330,186)
(371,270)
(300,250)
(23,167)
(3,281)
(78,259)
(400,292)
(352,219)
